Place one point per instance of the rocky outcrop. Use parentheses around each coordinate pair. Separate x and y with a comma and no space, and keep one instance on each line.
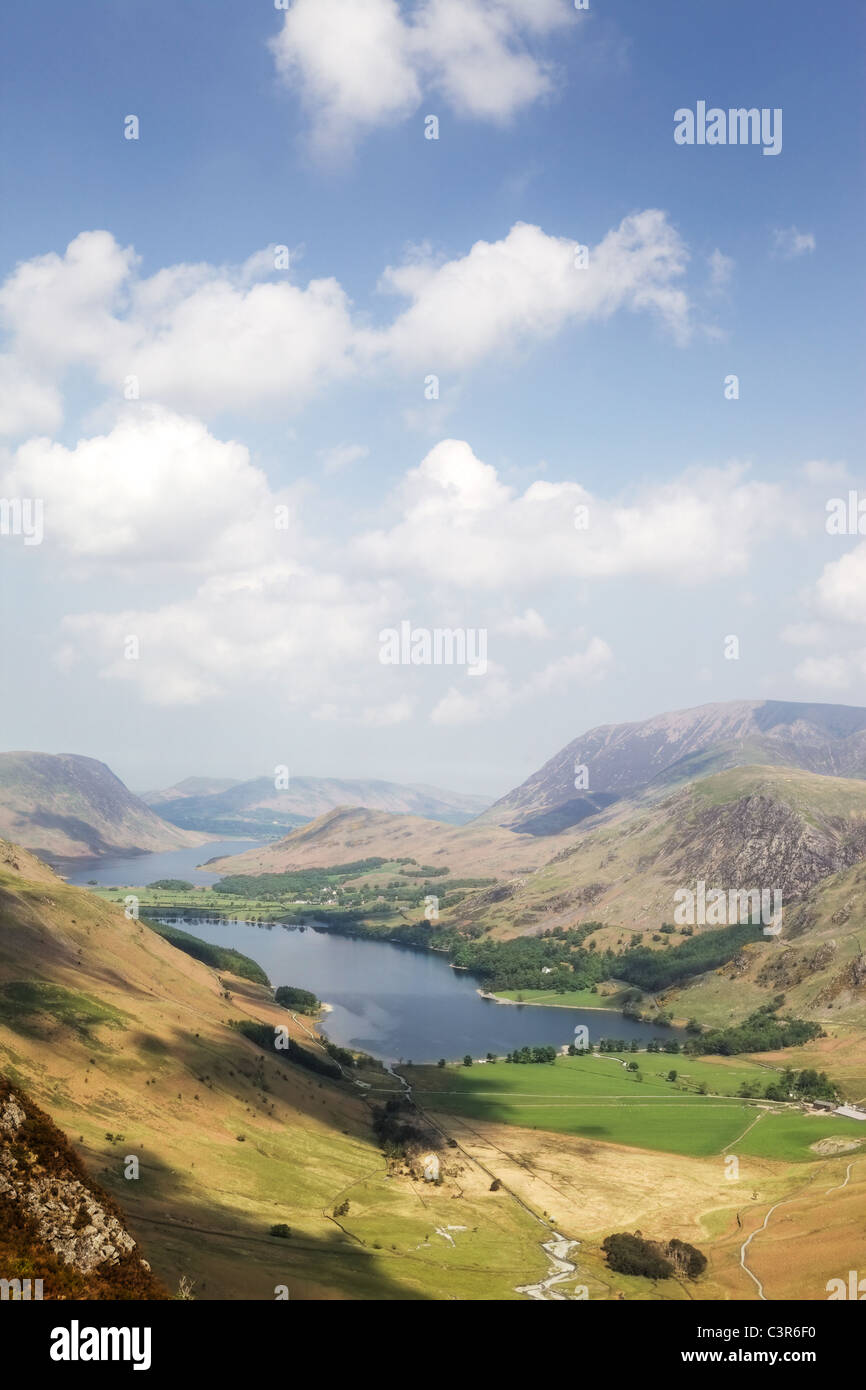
(763,842)
(54,1220)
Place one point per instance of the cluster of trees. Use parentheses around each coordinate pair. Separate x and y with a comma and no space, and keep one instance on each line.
(804,1085)
(303,1001)
(518,964)
(572,965)
(172,885)
(632,1254)
(532,1054)
(762,1031)
(263,1035)
(220,957)
(302,883)
(340,1054)
(654,971)
(395,1130)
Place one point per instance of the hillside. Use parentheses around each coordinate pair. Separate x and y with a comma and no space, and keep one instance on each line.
(64,806)
(621,759)
(258,807)
(127,1044)
(759,827)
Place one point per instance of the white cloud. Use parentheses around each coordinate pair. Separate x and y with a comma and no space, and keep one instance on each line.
(361,64)
(158,488)
(207,339)
(28,404)
(527,287)
(789,243)
(460,525)
(839,603)
(841,589)
(306,634)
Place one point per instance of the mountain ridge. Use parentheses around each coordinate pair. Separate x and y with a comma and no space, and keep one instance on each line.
(66,806)
(619,760)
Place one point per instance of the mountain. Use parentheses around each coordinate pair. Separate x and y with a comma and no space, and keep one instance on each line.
(64,806)
(771,828)
(653,754)
(258,807)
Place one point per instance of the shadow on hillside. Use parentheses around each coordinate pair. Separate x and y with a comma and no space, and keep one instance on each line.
(229,1256)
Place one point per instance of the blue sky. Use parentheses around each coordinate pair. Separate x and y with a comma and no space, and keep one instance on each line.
(559,120)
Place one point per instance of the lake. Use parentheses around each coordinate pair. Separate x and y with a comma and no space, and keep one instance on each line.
(137,870)
(391,1001)
(399,1003)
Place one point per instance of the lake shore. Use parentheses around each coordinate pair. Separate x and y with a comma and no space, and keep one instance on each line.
(541,1004)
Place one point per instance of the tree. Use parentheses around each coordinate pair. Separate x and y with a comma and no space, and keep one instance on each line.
(441,1062)
(672,1076)
(467,1060)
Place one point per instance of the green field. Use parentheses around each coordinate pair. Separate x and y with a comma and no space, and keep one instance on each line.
(572,999)
(596,1098)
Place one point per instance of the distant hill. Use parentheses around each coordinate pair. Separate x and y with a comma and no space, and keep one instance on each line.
(258,807)
(348,834)
(63,806)
(654,754)
(190,786)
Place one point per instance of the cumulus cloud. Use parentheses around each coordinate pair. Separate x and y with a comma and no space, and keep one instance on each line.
(527,287)
(459,524)
(158,488)
(261,595)
(206,339)
(362,64)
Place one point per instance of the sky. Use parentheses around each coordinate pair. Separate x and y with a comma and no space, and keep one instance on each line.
(279,372)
